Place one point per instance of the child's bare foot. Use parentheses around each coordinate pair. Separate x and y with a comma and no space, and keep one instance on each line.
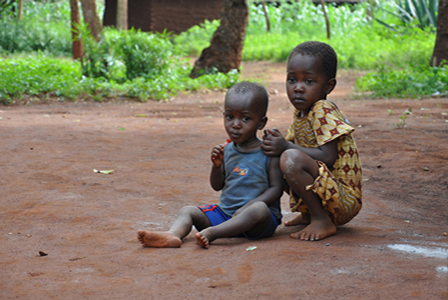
(158,239)
(316,230)
(202,240)
(300,219)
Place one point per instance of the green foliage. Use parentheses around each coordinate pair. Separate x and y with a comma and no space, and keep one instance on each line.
(402,118)
(192,41)
(411,82)
(421,13)
(359,42)
(145,55)
(143,65)
(100,59)
(45,27)
(37,76)
(42,77)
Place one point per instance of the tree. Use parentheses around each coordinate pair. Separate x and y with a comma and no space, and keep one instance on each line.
(91,17)
(122,14)
(327,21)
(77,46)
(266,16)
(20,12)
(226,46)
(441,47)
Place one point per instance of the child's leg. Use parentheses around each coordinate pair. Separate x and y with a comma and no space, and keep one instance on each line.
(188,216)
(300,219)
(253,220)
(300,171)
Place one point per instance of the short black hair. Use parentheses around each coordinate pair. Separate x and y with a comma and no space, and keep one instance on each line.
(257,90)
(324,51)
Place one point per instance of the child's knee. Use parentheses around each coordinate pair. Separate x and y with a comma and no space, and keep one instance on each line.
(188,210)
(260,210)
(291,161)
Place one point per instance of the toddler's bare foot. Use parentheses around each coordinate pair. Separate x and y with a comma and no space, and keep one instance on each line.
(316,230)
(202,240)
(300,219)
(158,239)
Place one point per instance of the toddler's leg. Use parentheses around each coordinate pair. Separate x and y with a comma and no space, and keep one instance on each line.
(300,171)
(188,216)
(252,220)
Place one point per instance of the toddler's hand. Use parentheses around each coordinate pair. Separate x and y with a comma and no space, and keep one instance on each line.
(273,142)
(218,153)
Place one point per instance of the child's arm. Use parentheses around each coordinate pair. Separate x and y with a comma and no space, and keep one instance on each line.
(217,173)
(274,144)
(275,190)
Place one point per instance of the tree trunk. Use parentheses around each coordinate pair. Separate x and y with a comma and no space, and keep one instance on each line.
(20,12)
(226,47)
(441,47)
(77,46)
(266,16)
(327,21)
(122,14)
(91,17)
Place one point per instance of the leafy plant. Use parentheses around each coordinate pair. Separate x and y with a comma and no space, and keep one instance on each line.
(45,27)
(411,82)
(408,12)
(402,118)
(192,41)
(37,76)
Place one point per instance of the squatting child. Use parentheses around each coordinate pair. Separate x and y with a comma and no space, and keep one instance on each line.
(250,181)
(318,157)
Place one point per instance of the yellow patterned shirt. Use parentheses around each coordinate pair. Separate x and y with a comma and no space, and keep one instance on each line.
(341,195)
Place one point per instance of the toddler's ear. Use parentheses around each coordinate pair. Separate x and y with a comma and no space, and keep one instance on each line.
(263,122)
(330,85)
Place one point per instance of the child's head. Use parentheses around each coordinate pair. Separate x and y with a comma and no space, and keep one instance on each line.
(311,74)
(245,108)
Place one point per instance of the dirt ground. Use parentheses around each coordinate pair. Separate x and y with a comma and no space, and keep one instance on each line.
(52,202)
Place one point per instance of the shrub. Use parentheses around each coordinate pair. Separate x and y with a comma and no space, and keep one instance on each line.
(412,82)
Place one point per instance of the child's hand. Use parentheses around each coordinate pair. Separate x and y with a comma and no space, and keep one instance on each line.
(273,142)
(218,155)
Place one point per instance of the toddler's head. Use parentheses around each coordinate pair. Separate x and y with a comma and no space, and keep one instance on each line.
(245,108)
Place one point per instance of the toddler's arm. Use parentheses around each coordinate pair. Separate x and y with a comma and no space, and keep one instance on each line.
(217,173)
(274,144)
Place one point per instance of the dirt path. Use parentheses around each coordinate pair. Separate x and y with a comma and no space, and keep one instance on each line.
(52,201)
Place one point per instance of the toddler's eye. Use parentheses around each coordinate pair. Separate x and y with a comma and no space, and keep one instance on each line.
(290,80)
(229,117)
(309,81)
(246,119)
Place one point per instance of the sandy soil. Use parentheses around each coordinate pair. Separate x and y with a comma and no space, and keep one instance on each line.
(51,202)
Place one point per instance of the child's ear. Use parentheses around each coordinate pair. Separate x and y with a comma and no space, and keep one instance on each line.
(330,85)
(263,122)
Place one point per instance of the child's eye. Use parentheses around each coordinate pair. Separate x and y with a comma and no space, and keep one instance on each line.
(309,81)
(291,80)
(246,119)
(229,117)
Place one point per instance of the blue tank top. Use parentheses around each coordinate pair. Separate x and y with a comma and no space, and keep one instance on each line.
(246,177)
